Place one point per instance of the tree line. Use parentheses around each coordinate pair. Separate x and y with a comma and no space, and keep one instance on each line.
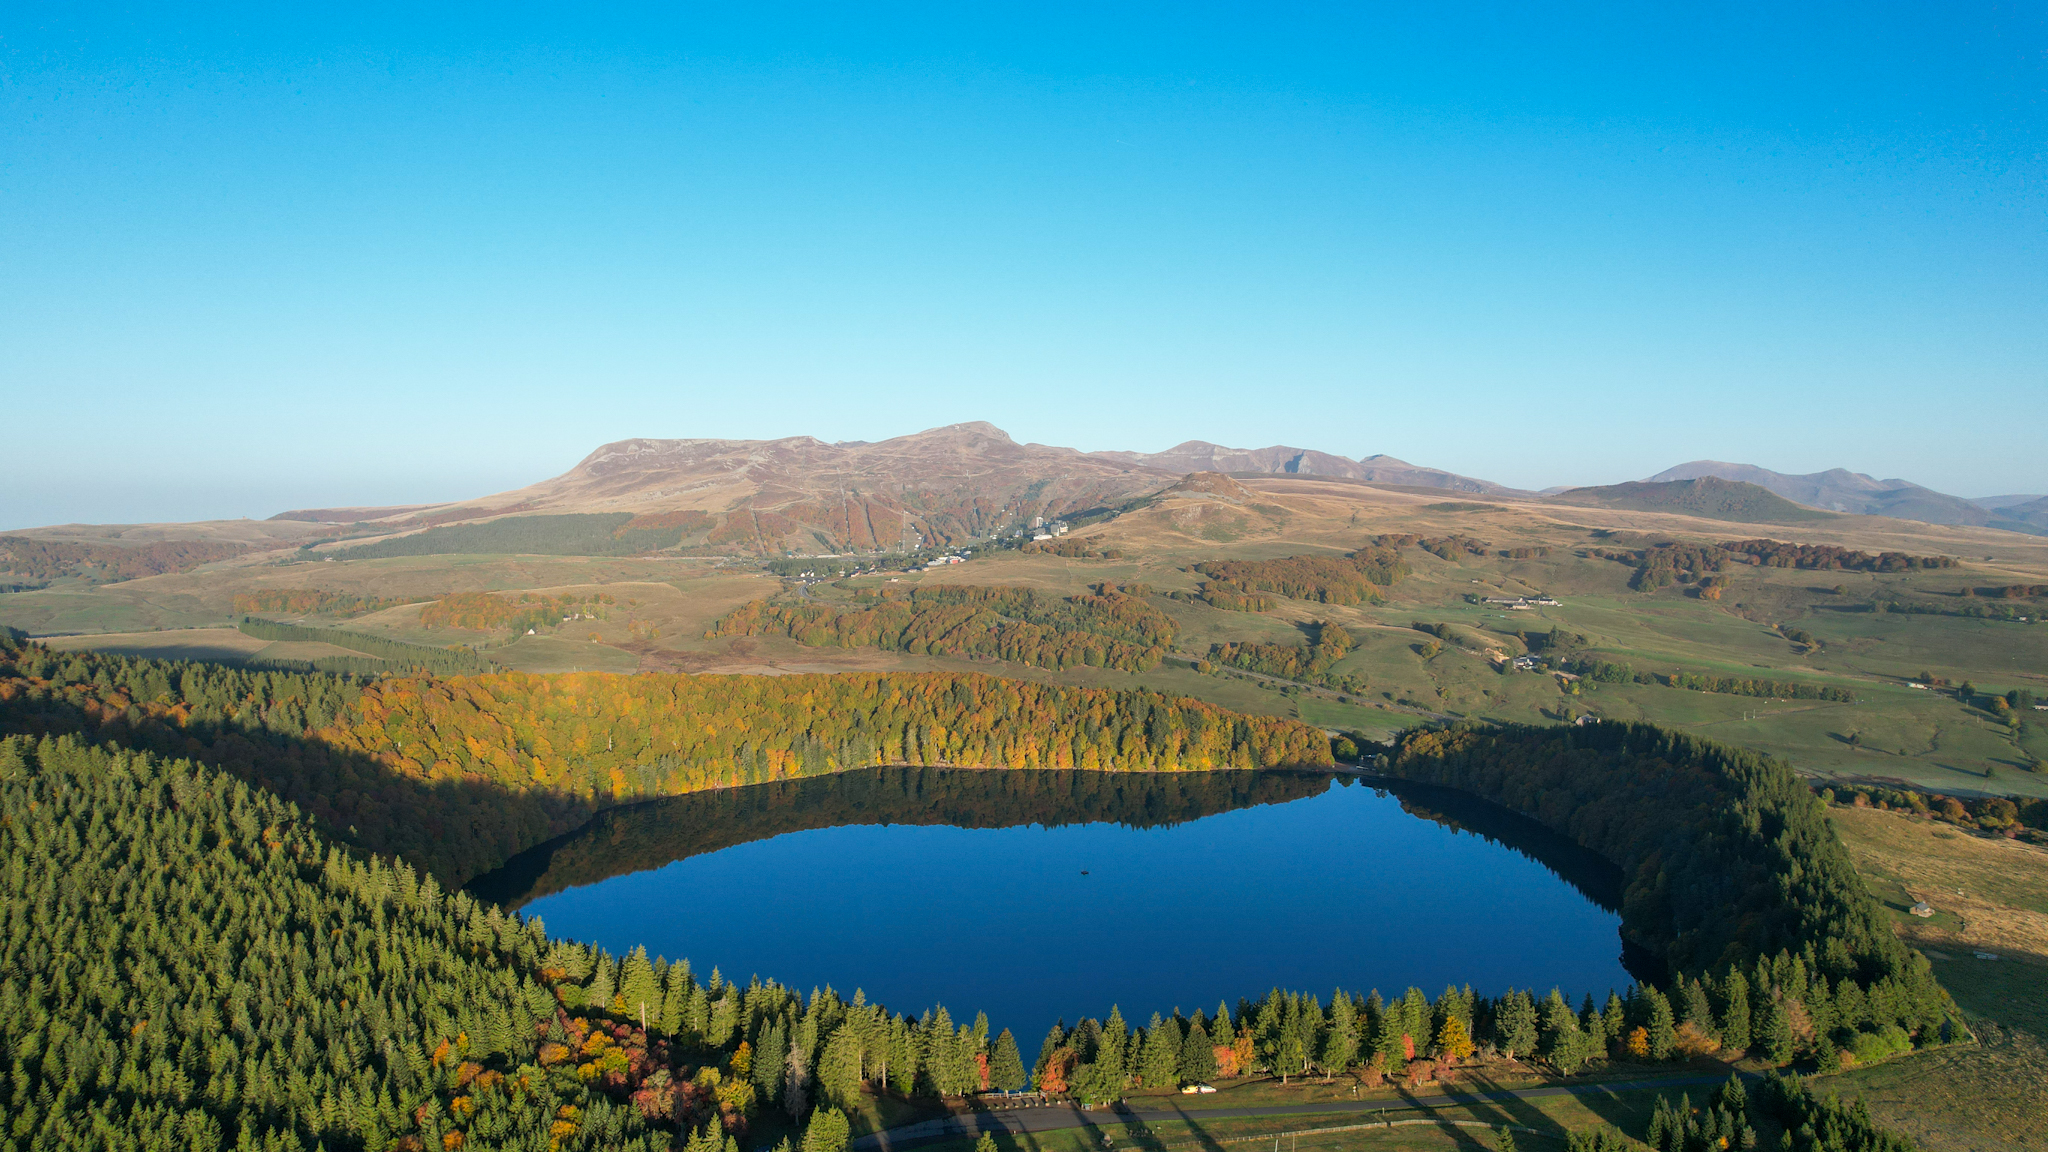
(1775,554)
(1729,856)
(315,602)
(1108,627)
(108,563)
(459,775)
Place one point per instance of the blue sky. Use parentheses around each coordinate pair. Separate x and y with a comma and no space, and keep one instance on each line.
(270,258)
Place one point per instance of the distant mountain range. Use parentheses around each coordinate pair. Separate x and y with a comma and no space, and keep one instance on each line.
(1202,456)
(1840,490)
(965,481)
(1711,497)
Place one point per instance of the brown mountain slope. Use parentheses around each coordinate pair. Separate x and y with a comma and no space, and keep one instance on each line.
(1202,456)
(941,486)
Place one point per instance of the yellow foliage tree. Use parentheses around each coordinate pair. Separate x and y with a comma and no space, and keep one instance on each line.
(1453,1042)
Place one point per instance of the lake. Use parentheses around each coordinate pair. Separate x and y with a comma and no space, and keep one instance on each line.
(1039,895)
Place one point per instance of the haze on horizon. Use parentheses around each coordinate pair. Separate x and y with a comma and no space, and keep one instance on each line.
(263,259)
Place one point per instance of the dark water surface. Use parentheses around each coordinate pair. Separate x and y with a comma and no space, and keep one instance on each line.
(1035,895)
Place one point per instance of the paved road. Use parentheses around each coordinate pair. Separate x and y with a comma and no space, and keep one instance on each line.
(1050,1118)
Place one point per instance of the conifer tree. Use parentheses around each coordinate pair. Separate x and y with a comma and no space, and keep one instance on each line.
(1735,1009)
(1006,1064)
(1516,1024)
(1663,1033)
(1197,1054)
(1112,1050)
(1055,1039)
(1160,1059)
(827,1131)
(1220,1029)
(1340,1042)
(1775,1032)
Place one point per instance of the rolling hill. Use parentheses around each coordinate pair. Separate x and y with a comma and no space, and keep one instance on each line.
(1709,496)
(1840,490)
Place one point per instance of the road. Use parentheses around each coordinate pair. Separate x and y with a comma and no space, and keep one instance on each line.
(1053,1117)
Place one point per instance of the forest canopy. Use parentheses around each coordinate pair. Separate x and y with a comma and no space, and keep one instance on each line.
(1109,627)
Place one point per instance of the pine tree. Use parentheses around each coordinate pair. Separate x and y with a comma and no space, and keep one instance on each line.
(1055,1039)
(1197,1054)
(1220,1029)
(1663,1033)
(1160,1058)
(827,1131)
(1735,1018)
(1006,1064)
(1515,1024)
(1775,1032)
(1340,1041)
(1115,1053)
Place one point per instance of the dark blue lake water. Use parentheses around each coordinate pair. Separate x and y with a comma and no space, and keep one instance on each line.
(1041,895)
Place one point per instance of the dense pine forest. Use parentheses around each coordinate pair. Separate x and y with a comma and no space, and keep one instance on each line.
(1111,627)
(1734,877)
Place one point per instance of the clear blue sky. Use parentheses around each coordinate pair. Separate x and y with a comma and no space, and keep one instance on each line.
(272,258)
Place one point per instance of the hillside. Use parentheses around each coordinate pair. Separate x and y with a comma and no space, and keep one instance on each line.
(937,487)
(1840,490)
(1202,456)
(1710,497)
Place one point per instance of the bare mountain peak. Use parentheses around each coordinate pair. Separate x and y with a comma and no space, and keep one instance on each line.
(1282,459)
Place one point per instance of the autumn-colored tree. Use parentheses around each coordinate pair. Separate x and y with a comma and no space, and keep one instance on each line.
(1453,1042)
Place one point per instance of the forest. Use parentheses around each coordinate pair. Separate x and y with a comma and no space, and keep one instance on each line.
(457,776)
(1108,627)
(108,563)
(1729,857)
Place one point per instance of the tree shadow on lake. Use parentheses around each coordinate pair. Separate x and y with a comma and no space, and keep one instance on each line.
(641,837)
